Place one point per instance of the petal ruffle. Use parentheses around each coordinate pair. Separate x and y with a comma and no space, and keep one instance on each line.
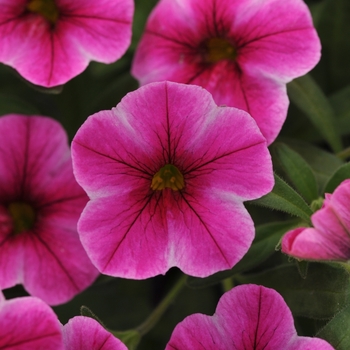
(247,317)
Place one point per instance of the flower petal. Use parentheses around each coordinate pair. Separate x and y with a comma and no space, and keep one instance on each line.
(50,56)
(247,317)
(330,237)
(28,323)
(75,335)
(278,40)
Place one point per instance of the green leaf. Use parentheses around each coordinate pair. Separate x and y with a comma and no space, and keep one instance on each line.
(310,99)
(320,295)
(298,171)
(337,331)
(284,198)
(266,239)
(339,176)
(323,163)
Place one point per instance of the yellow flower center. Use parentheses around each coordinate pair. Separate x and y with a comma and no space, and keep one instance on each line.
(46,8)
(218,49)
(23,216)
(169,176)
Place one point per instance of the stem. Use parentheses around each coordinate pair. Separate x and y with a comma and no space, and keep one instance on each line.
(344,154)
(157,313)
(227,284)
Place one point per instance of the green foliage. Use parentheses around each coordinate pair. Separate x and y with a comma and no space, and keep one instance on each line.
(337,331)
(320,294)
(341,174)
(308,96)
(297,170)
(284,198)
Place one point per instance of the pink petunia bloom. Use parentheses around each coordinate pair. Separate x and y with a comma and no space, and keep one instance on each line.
(167,172)
(247,317)
(51,41)
(40,203)
(28,324)
(329,239)
(242,51)
(82,333)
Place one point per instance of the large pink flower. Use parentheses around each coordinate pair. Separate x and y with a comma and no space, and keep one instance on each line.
(329,239)
(247,317)
(40,203)
(167,172)
(28,324)
(83,333)
(51,41)
(242,51)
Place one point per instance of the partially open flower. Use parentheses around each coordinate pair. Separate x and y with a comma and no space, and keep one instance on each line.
(242,51)
(40,203)
(51,41)
(167,172)
(247,317)
(329,239)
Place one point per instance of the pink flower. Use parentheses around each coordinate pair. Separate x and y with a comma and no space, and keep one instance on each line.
(51,41)
(167,172)
(82,333)
(247,317)
(329,239)
(242,51)
(40,203)
(28,324)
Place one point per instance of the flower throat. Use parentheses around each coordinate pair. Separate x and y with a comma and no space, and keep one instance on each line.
(23,216)
(168,177)
(218,49)
(45,8)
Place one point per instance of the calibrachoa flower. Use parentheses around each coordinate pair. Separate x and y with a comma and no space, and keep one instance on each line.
(329,239)
(82,333)
(40,203)
(51,41)
(247,317)
(167,172)
(242,51)
(28,324)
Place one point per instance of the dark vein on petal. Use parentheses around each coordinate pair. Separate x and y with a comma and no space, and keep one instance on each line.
(188,171)
(114,159)
(171,39)
(167,123)
(272,34)
(206,228)
(128,230)
(61,200)
(52,59)
(119,21)
(197,74)
(37,236)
